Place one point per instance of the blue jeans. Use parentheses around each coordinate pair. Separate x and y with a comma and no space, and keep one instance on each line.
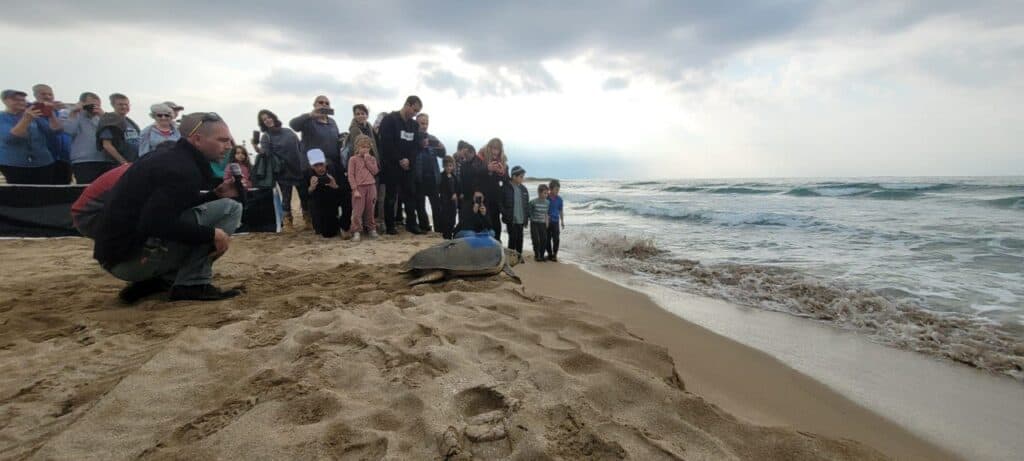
(182,263)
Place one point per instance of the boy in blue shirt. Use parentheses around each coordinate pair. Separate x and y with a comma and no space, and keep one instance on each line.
(556,219)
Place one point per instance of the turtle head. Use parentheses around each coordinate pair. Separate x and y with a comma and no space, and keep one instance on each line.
(513,257)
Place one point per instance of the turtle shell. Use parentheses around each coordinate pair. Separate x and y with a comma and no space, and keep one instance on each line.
(471,254)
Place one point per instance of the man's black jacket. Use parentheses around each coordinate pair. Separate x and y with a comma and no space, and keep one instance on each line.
(149,199)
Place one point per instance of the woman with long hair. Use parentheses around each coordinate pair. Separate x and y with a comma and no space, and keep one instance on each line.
(280,141)
(493,155)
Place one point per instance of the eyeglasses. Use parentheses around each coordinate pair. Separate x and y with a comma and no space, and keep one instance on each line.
(162,115)
(207,117)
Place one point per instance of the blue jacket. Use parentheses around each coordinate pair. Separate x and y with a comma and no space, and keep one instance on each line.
(30,151)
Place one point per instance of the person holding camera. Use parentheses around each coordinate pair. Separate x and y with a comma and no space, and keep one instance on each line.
(324,194)
(158,231)
(319,131)
(476,219)
(59,143)
(88,162)
(25,157)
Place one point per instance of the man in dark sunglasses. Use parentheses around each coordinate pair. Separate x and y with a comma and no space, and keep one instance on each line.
(158,231)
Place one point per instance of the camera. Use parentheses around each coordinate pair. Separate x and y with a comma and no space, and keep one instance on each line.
(325,111)
(323,180)
(90,108)
(43,108)
(478,200)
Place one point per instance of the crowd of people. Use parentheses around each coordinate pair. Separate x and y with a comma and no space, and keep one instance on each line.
(154,229)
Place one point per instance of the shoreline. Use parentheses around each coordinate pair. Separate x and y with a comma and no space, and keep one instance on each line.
(961,409)
(751,385)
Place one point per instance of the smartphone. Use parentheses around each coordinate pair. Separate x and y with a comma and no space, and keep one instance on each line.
(255,137)
(43,108)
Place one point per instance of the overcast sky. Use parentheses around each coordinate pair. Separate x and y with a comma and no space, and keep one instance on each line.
(578,88)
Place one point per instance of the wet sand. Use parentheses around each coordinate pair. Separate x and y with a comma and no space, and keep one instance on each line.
(744,381)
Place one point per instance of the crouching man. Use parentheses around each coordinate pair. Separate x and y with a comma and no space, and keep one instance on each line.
(157,231)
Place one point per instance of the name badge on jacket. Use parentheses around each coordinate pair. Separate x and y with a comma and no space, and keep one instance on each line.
(407,135)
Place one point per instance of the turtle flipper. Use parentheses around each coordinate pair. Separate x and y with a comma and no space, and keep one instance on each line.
(432,276)
(508,271)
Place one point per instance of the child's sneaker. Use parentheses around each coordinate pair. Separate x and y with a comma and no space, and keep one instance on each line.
(355,237)
(374,234)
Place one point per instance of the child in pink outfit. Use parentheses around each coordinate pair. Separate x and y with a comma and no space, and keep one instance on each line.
(362,168)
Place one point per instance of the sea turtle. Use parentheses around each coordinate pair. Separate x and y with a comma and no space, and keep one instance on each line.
(475,254)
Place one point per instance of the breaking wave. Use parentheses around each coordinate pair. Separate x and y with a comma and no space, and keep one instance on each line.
(869,190)
(722,218)
(904,324)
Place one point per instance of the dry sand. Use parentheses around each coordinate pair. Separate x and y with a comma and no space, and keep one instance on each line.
(329,355)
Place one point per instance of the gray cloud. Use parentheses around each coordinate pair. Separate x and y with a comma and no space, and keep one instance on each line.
(615,83)
(666,38)
(529,78)
(306,84)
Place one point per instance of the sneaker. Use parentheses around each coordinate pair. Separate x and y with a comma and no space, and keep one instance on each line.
(553,258)
(373,234)
(415,230)
(355,237)
(201,293)
(138,290)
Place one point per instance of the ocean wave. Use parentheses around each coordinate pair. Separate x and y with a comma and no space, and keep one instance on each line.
(894,194)
(682,189)
(964,338)
(1006,202)
(679,213)
(868,190)
(740,190)
(640,183)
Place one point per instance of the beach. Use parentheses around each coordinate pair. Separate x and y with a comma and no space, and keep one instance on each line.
(329,355)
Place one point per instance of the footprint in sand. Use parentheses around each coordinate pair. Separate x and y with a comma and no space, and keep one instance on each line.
(485,412)
(501,364)
(311,409)
(346,443)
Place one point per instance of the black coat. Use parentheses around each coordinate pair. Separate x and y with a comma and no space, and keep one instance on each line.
(508,202)
(148,201)
(397,142)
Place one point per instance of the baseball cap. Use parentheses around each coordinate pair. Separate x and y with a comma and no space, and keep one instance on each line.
(315,156)
(9,93)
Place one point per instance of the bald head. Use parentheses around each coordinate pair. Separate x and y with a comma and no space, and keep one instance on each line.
(208,133)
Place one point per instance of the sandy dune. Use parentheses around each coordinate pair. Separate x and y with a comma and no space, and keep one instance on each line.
(329,355)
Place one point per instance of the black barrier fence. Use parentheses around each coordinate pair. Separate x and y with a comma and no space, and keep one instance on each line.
(45,211)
